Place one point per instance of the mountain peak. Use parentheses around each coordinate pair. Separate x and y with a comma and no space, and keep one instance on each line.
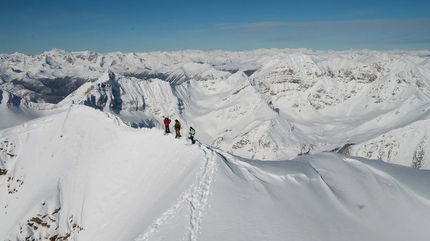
(67,175)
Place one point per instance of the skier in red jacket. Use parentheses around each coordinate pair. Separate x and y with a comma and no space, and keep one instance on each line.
(166,125)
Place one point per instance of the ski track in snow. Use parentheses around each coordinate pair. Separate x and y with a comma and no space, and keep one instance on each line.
(197,197)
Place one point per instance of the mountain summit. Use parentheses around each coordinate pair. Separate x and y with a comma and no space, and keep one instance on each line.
(82,174)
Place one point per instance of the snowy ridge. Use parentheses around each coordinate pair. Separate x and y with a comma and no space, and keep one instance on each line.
(61,180)
(72,198)
(265,104)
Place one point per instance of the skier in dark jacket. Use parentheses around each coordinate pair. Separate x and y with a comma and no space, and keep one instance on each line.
(192,132)
(166,125)
(177,129)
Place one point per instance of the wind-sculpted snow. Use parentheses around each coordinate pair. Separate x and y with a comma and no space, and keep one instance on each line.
(266,104)
(317,197)
(83,174)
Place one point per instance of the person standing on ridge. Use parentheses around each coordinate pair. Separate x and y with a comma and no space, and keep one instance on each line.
(192,132)
(177,128)
(166,125)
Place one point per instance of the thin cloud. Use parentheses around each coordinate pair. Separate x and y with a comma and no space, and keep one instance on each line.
(232,26)
(360,24)
(404,39)
(301,31)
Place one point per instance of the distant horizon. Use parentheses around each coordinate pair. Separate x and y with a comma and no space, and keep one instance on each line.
(109,26)
(215,50)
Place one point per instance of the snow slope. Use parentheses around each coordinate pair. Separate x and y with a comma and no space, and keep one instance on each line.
(82,174)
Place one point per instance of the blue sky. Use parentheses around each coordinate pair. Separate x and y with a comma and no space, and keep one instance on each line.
(164,25)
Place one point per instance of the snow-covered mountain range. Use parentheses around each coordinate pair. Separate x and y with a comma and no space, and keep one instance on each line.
(263,104)
(288,146)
